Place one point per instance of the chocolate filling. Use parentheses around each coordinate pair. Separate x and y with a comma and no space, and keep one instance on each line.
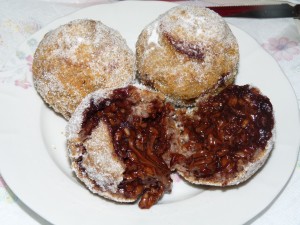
(139,140)
(225,132)
(218,139)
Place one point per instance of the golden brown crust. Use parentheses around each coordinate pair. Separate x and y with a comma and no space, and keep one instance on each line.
(187,53)
(78,58)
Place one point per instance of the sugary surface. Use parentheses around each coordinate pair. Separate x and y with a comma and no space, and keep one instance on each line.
(100,162)
(187,53)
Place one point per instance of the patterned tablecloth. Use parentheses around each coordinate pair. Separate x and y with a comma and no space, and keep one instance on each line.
(21,18)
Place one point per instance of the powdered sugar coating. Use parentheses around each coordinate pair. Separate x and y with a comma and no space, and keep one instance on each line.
(78,58)
(187,53)
(74,124)
(194,23)
(100,163)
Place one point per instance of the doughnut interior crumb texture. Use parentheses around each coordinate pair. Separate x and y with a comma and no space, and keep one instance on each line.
(187,53)
(78,58)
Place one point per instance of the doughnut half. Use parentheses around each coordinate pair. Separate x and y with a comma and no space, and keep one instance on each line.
(78,58)
(117,139)
(189,52)
(225,139)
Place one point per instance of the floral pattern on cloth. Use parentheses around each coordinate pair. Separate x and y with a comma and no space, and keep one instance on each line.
(21,75)
(12,33)
(26,27)
(23,81)
(282,48)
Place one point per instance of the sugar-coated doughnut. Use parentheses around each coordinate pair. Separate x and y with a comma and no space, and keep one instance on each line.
(78,58)
(187,53)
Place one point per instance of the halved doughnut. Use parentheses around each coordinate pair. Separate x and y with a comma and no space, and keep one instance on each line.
(117,139)
(225,139)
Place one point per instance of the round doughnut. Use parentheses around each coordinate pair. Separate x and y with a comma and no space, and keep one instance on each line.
(189,52)
(226,138)
(117,139)
(78,58)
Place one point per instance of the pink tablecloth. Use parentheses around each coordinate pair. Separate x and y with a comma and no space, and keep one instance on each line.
(21,18)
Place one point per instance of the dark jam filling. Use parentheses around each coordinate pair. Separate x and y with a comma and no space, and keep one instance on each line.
(191,50)
(226,132)
(139,142)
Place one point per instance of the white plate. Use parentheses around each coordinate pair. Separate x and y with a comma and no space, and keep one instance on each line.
(33,155)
